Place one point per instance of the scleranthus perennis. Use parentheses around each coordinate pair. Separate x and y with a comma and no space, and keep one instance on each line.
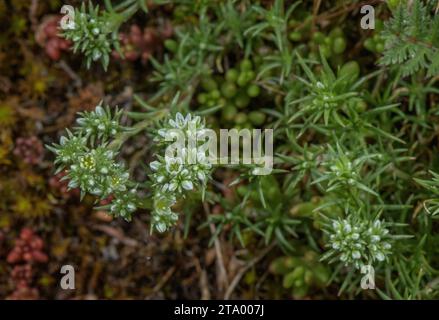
(90,161)
(178,172)
(331,98)
(91,164)
(342,170)
(357,242)
(354,127)
(99,124)
(94,32)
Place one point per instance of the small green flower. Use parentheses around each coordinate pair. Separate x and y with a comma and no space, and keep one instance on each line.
(124,204)
(68,149)
(87,162)
(94,170)
(92,34)
(357,242)
(177,175)
(99,124)
(162,217)
(342,170)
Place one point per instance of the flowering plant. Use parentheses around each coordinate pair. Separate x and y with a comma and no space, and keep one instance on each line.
(346,134)
(175,174)
(358,242)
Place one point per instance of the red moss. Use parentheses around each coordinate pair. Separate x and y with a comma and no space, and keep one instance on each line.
(21,275)
(24,293)
(30,149)
(137,44)
(48,37)
(28,248)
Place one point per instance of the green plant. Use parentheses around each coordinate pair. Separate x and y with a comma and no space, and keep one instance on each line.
(431,205)
(95,33)
(412,38)
(358,242)
(91,164)
(175,174)
(301,274)
(347,133)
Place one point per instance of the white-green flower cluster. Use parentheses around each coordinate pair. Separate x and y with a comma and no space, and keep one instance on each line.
(124,204)
(324,98)
(68,149)
(185,169)
(357,242)
(92,34)
(342,170)
(163,217)
(99,123)
(95,170)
